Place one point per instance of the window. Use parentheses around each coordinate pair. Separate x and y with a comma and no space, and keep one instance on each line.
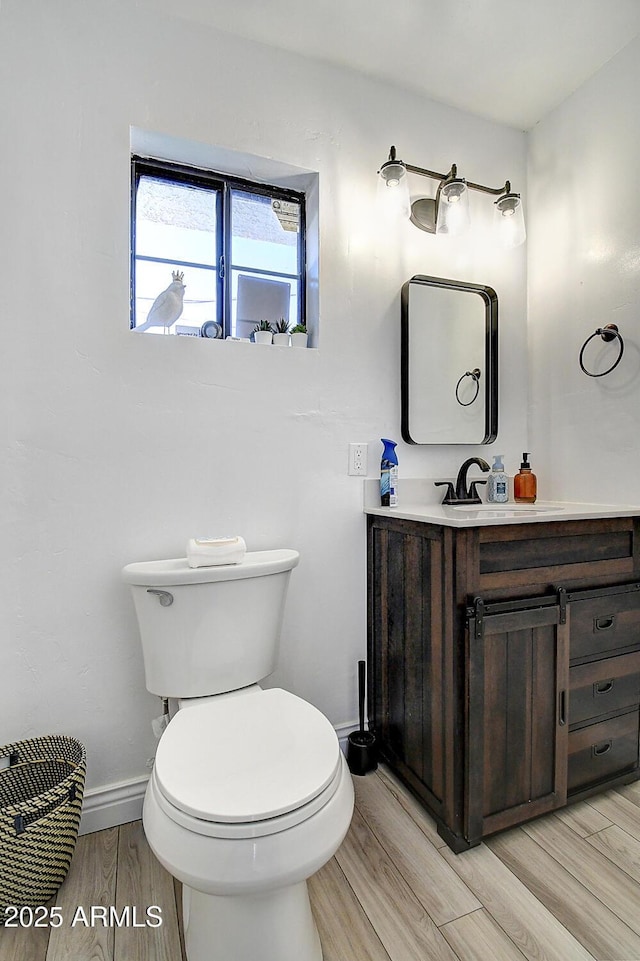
(230,252)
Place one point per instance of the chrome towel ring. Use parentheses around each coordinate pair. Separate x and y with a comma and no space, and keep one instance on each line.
(608,333)
(475,374)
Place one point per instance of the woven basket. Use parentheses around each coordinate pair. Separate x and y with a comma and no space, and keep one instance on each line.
(40,806)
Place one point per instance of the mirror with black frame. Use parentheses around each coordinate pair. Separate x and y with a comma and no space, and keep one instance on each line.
(449,356)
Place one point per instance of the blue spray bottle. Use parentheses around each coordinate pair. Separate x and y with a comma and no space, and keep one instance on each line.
(389,474)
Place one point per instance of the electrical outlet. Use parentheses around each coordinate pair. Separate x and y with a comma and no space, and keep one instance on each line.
(358,460)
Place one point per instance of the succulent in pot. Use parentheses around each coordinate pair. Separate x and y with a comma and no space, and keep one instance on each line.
(281,335)
(263,333)
(299,336)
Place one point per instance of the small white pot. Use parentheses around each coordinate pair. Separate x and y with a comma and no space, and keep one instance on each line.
(281,340)
(262,337)
(299,340)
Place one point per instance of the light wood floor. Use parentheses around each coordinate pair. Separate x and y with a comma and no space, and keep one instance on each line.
(563,888)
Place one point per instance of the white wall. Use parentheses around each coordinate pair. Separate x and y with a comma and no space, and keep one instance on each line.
(584,272)
(118,447)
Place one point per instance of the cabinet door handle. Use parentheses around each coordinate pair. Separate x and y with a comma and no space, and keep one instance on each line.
(604,623)
(603,687)
(562,708)
(599,749)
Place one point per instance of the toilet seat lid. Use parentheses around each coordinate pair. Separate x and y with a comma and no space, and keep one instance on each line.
(246,758)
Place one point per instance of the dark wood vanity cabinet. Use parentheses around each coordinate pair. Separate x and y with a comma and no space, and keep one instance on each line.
(504,664)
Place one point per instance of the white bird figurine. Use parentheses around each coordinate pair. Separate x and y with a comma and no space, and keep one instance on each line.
(168,305)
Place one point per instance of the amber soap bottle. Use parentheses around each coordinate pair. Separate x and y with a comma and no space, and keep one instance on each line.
(525,483)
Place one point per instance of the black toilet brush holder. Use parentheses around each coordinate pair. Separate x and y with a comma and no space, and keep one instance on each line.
(362,753)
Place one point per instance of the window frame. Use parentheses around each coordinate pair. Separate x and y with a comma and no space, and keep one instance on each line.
(224,184)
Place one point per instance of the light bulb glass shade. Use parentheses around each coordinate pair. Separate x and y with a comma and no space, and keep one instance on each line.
(392,172)
(452,191)
(453,208)
(508,220)
(393,190)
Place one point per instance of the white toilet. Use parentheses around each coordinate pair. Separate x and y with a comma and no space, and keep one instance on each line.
(250,793)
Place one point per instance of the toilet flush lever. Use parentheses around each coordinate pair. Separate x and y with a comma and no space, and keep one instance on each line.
(165,598)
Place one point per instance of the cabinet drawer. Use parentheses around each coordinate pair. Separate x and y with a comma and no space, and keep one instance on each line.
(601,687)
(602,750)
(603,624)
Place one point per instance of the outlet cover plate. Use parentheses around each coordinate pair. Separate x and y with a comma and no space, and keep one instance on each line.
(358,460)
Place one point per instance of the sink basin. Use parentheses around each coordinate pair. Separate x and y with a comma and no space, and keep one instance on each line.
(506,510)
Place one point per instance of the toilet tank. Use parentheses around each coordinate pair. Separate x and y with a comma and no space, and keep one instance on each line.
(208,630)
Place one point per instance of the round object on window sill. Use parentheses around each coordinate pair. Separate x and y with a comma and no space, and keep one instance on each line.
(211,329)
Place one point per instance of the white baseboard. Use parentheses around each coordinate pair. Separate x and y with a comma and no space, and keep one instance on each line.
(114,804)
(106,807)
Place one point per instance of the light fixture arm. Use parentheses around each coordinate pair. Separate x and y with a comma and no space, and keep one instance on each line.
(434,175)
(453,173)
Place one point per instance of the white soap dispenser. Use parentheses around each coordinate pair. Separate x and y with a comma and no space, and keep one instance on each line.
(498,486)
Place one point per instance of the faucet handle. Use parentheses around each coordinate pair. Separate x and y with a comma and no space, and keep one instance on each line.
(474,497)
(450,496)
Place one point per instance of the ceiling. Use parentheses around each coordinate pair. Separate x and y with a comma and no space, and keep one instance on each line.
(508,60)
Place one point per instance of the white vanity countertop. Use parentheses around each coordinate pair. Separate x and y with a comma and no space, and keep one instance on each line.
(487,515)
(412,507)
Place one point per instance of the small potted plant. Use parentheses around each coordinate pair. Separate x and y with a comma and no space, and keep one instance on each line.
(281,335)
(299,336)
(263,333)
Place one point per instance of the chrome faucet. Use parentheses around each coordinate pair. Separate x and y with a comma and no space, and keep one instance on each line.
(462,495)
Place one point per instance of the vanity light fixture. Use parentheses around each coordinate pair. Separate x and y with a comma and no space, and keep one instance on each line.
(448,212)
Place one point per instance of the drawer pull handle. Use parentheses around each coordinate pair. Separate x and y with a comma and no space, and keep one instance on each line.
(603,687)
(599,749)
(604,623)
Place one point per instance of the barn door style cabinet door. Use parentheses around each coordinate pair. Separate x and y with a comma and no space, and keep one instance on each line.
(517,715)
(504,665)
